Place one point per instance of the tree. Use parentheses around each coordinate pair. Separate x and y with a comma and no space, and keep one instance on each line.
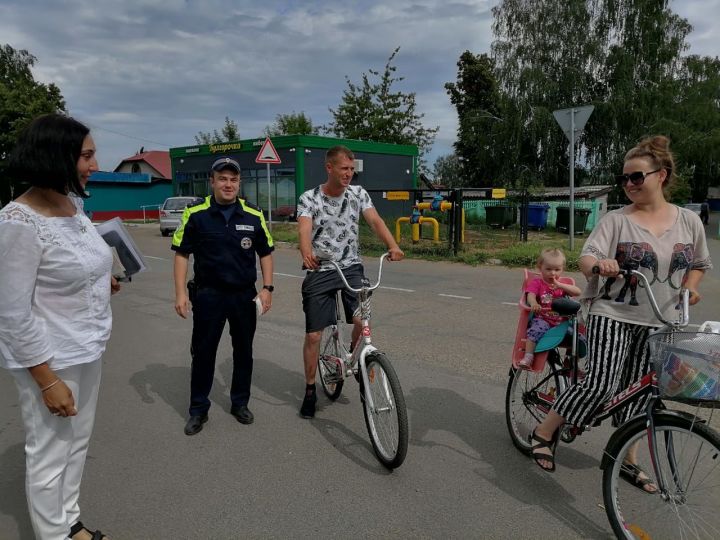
(374,111)
(21,99)
(448,171)
(229,132)
(641,77)
(679,191)
(477,101)
(291,124)
(695,124)
(623,56)
(547,56)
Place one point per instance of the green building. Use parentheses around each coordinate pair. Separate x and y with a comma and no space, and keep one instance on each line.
(379,167)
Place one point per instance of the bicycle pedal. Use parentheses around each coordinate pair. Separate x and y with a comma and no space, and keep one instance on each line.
(334,366)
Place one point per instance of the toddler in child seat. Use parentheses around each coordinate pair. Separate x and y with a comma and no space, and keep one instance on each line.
(540,292)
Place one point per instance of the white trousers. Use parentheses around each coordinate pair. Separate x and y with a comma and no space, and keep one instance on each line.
(55,449)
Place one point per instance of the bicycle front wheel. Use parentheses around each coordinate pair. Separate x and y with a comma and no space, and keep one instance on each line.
(330,363)
(688,458)
(523,407)
(387,421)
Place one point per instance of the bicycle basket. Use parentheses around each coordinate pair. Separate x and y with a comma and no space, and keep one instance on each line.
(687,365)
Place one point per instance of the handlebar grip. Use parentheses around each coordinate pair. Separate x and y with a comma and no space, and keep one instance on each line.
(621,272)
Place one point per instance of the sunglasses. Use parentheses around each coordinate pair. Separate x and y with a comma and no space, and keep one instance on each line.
(637,178)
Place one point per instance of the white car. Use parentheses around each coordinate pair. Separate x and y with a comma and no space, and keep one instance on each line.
(172,210)
(695,207)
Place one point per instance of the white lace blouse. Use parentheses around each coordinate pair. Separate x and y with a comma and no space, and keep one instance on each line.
(54,289)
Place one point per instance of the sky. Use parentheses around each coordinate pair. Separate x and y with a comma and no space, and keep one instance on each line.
(153,73)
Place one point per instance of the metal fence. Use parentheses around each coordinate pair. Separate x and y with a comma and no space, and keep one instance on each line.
(475,210)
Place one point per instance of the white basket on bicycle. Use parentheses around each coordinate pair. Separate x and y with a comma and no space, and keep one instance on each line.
(687,365)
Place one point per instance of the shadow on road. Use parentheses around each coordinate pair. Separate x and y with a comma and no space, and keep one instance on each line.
(171,384)
(438,409)
(286,388)
(12,486)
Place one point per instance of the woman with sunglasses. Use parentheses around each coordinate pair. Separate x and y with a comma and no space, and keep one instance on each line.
(665,242)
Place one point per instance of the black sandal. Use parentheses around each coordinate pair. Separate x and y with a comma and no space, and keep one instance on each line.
(631,474)
(96,535)
(542,443)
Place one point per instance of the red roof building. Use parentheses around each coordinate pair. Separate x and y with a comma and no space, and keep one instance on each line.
(153,162)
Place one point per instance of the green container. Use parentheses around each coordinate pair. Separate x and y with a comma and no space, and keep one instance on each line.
(562,221)
(500,216)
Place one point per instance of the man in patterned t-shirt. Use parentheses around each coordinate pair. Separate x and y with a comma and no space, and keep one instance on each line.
(328,220)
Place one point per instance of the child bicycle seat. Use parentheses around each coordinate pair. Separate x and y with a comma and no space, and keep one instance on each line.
(554,337)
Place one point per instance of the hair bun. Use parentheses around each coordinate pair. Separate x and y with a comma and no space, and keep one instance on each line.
(657,149)
(655,144)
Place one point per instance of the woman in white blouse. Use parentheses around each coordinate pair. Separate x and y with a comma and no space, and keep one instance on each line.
(55,319)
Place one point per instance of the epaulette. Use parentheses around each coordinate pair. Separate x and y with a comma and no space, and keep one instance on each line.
(251,205)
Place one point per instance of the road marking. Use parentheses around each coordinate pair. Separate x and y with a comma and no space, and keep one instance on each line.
(455,296)
(397,289)
(288,275)
(156,258)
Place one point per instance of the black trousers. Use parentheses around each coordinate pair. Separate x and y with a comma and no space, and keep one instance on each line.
(211,309)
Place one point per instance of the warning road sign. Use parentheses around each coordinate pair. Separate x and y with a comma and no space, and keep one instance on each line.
(267,153)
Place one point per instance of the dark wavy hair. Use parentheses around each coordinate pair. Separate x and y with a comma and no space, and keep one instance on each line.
(47,152)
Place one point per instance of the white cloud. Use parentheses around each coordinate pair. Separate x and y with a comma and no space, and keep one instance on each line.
(161,70)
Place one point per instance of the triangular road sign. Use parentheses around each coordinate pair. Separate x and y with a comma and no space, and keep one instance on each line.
(267,153)
(581,115)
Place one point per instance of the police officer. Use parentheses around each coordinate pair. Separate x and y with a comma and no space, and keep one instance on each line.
(223,233)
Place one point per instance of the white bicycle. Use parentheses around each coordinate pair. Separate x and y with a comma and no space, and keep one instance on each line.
(382,397)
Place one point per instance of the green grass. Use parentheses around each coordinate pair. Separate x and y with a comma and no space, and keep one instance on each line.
(482,244)
(285,232)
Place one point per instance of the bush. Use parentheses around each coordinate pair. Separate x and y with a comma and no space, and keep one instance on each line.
(526,254)
(483,244)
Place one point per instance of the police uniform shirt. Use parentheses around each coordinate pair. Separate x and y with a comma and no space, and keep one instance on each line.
(224,249)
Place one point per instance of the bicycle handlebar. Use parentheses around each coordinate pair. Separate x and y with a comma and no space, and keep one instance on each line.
(684,298)
(342,276)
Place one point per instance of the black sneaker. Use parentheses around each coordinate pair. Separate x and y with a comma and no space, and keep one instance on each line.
(307,410)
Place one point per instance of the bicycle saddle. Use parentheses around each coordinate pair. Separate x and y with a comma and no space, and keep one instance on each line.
(565,306)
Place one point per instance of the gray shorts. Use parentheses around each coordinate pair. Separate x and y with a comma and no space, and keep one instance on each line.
(318,294)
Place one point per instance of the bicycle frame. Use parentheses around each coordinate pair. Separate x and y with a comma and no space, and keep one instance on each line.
(364,345)
(634,391)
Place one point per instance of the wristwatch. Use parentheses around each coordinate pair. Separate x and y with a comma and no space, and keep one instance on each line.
(270,288)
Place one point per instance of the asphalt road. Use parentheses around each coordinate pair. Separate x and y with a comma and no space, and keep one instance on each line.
(447,328)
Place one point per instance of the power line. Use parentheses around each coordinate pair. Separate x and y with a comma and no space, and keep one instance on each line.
(126,135)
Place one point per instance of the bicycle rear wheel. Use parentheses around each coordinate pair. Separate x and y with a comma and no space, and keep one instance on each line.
(330,364)
(523,410)
(689,460)
(387,421)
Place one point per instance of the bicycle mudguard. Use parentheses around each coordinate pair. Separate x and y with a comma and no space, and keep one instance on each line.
(638,422)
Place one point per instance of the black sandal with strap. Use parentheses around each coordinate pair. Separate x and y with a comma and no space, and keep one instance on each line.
(631,474)
(543,443)
(96,535)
